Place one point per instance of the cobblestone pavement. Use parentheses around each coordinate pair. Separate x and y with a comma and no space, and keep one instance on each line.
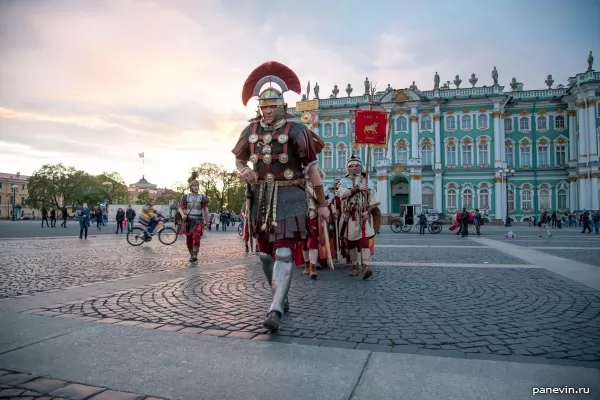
(589,256)
(448,311)
(16,385)
(50,264)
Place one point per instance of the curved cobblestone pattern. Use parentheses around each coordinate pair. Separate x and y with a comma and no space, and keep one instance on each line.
(529,312)
(71,263)
(589,256)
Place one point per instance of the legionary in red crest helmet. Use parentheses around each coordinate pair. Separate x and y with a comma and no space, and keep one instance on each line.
(281,152)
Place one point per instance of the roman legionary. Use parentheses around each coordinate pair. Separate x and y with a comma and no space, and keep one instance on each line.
(314,246)
(281,152)
(358,203)
(193,209)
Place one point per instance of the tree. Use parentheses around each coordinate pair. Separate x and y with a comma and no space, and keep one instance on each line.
(168,196)
(53,183)
(224,189)
(114,187)
(143,197)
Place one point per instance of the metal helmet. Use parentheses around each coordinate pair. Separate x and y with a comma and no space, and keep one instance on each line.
(351,161)
(270,72)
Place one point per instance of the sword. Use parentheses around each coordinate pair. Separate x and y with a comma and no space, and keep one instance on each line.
(248,214)
(325,229)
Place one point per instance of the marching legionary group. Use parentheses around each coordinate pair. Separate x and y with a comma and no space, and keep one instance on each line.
(292,217)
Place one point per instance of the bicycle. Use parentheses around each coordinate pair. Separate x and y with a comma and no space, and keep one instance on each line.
(138,236)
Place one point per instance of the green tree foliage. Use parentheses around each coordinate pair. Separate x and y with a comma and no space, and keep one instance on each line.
(55,185)
(143,197)
(224,189)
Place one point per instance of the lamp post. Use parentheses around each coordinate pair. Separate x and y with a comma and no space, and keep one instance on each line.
(504,174)
(14,199)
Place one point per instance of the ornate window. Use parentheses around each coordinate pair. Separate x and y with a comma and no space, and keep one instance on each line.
(401,153)
(425,123)
(508,125)
(559,123)
(544,199)
(542,123)
(525,154)
(426,154)
(509,153)
(482,121)
(467,198)
(511,199)
(427,196)
(560,150)
(401,124)
(526,203)
(561,199)
(543,154)
(451,153)
(341,129)
(342,155)
(450,123)
(327,130)
(483,150)
(467,153)
(327,157)
(524,124)
(451,199)
(465,123)
(484,198)
(378,154)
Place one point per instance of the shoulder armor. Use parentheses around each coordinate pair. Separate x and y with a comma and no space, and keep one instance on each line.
(346,183)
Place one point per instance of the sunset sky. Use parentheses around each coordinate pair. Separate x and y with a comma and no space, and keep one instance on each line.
(92,83)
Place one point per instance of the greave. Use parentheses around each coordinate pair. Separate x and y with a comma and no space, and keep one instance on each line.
(281,278)
(267,265)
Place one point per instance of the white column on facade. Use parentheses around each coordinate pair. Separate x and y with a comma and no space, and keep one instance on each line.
(438,140)
(383,188)
(416,194)
(572,135)
(583,193)
(389,145)
(582,121)
(592,138)
(594,195)
(500,201)
(572,193)
(439,192)
(414,145)
(498,142)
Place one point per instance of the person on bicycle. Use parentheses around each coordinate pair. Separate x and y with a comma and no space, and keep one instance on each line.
(193,209)
(148,218)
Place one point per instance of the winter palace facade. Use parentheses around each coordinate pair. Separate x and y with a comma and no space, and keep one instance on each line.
(450,147)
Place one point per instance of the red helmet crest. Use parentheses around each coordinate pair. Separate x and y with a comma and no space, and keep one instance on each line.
(270,71)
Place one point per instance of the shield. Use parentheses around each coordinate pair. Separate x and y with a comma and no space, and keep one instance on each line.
(377,219)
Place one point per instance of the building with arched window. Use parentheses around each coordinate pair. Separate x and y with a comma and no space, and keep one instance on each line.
(448,144)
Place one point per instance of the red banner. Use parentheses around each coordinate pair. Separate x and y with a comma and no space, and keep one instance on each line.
(370,127)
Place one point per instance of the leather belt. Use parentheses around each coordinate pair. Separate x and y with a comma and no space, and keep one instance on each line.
(299,181)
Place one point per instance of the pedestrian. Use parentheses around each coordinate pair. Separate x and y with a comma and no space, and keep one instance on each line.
(543,224)
(422,223)
(281,152)
(98,215)
(84,221)
(120,217)
(193,209)
(45,217)
(53,218)
(596,221)
(217,220)
(130,215)
(477,221)
(65,216)
(464,219)
(585,218)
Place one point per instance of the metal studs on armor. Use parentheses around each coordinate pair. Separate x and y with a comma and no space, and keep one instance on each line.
(254,158)
(283,158)
(270,178)
(267,139)
(267,159)
(253,138)
(288,174)
(282,139)
(266,149)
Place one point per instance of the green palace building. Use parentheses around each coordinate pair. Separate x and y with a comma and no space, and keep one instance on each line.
(451,147)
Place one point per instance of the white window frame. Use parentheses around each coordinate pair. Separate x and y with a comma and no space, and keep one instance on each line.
(327,158)
(511,199)
(463,118)
(547,194)
(526,201)
(511,162)
(509,128)
(425,123)
(483,118)
(342,155)
(399,124)
(542,123)
(540,148)
(430,194)
(468,193)
(524,124)
(378,154)
(399,152)
(484,198)
(429,152)
(463,152)
(339,129)
(560,126)
(560,149)
(451,199)
(328,130)
(483,154)
(450,118)
(558,198)
(449,152)
(527,151)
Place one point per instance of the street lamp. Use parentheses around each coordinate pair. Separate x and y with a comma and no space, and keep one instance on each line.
(504,174)
(14,197)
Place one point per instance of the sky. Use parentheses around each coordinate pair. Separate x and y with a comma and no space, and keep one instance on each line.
(93,83)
